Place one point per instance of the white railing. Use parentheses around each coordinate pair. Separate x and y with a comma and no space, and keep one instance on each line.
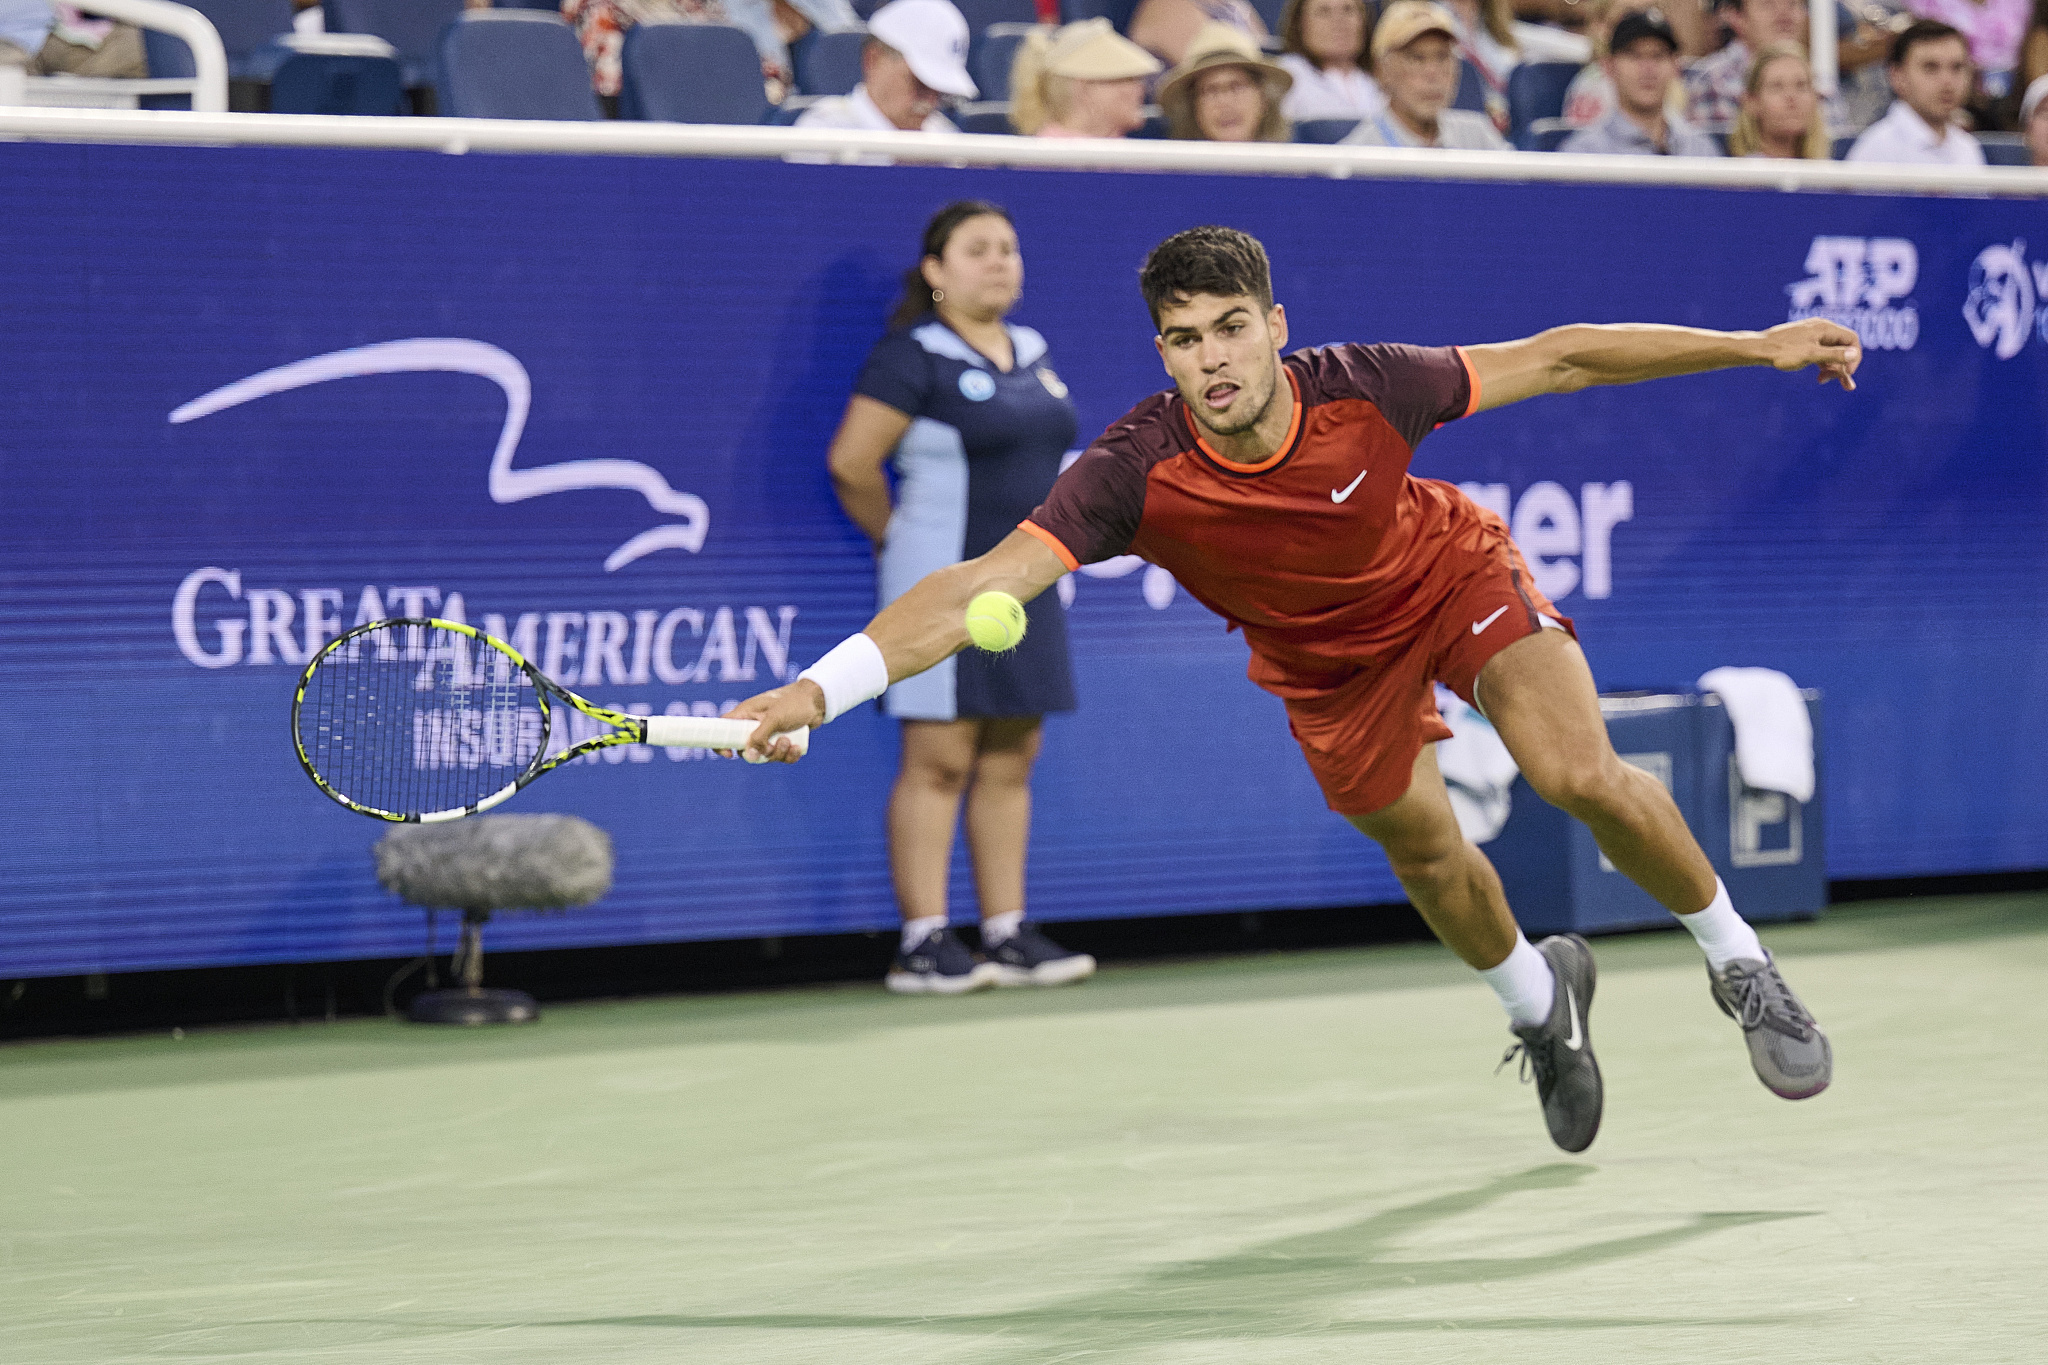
(208,87)
(961,149)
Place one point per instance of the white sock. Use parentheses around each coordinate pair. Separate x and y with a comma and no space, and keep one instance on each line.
(915,931)
(1001,928)
(1723,934)
(1524,982)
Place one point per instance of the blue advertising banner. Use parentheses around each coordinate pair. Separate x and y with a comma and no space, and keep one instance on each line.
(255,396)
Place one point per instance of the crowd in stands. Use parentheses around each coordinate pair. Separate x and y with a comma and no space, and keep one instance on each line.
(1921,81)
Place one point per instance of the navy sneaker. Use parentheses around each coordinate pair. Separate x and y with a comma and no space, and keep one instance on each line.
(1029,958)
(939,965)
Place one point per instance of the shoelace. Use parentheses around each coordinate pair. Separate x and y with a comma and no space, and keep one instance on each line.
(1536,1059)
(1763,999)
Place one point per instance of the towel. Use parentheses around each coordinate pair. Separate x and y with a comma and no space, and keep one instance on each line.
(1773,734)
(1478,770)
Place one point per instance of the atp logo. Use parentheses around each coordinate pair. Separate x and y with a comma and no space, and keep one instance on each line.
(1865,284)
(2008,299)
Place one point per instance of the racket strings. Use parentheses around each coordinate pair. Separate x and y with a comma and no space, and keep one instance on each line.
(415,719)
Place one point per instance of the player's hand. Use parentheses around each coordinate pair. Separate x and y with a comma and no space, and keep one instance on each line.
(800,704)
(1816,341)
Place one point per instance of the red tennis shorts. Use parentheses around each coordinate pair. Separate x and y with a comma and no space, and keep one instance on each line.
(1361,737)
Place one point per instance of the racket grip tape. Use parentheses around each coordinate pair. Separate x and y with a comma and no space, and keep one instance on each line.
(708,732)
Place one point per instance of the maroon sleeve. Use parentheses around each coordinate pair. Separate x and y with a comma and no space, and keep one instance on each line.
(1093,510)
(1416,388)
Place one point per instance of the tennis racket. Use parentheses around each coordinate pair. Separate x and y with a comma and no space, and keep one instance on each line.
(417,719)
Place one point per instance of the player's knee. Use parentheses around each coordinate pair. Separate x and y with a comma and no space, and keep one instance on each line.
(1580,785)
(1429,860)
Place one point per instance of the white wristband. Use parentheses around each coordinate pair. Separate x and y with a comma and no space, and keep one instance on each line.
(852,672)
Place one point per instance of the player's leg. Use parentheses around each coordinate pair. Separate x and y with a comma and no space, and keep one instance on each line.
(998,837)
(1539,694)
(1546,991)
(924,808)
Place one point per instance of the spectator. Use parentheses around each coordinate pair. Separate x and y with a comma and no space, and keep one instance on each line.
(915,58)
(52,40)
(1642,64)
(1715,85)
(1780,111)
(1590,97)
(1485,40)
(2034,120)
(1991,28)
(1084,80)
(1931,74)
(1326,43)
(2033,50)
(1226,91)
(1168,28)
(1414,57)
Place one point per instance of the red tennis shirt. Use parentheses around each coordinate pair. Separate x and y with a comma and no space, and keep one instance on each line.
(1329,555)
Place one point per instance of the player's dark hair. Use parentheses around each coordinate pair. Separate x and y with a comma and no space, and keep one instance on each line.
(1917,32)
(1205,260)
(917,302)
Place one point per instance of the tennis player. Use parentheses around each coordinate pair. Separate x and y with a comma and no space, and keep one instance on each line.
(1276,490)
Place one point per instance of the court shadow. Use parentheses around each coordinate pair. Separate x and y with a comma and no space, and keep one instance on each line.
(1290,1286)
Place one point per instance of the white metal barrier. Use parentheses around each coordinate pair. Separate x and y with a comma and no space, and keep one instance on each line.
(621,138)
(208,87)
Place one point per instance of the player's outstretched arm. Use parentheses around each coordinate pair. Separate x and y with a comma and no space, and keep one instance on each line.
(1567,359)
(917,630)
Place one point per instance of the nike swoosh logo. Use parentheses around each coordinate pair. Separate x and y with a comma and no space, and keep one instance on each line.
(1576,1040)
(1478,626)
(1335,496)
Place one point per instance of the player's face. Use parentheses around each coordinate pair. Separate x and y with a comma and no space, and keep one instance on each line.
(981,272)
(1224,356)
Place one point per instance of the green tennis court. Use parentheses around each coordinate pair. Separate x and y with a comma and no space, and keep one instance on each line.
(1301,1157)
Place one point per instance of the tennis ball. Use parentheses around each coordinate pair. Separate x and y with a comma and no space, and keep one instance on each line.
(995,621)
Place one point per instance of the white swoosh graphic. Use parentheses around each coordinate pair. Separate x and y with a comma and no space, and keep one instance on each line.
(1335,496)
(461,355)
(1478,626)
(1576,1040)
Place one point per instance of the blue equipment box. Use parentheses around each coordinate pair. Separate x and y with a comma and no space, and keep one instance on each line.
(1768,848)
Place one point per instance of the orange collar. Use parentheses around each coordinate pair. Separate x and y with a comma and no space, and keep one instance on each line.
(1286,443)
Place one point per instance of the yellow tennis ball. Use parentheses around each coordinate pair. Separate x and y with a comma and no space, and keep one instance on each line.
(995,621)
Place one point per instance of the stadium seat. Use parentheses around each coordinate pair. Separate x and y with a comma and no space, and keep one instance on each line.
(2004,149)
(993,62)
(1841,146)
(1545,135)
(828,63)
(248,29)
(550,5)
(327,83)
(984,116)
(1471,89)
(1118,12)
(982,15)
(1536,90)
(692,73)
(1324,130)
(414,27)
(514,63)
(1155,126)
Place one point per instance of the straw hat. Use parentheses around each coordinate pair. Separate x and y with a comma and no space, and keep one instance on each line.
(1402,22)
(1217,45)
(1092,50)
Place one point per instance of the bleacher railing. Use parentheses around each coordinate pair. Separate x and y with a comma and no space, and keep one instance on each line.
(623,138)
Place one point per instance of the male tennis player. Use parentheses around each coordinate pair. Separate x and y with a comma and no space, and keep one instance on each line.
(1277,492)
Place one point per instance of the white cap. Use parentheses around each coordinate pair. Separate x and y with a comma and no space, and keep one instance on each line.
(932,37)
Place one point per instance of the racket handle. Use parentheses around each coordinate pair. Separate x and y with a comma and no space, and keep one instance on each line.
(707,732)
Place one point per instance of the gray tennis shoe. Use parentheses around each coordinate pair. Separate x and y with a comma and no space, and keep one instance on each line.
(1791,1055)
(1559,1051)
